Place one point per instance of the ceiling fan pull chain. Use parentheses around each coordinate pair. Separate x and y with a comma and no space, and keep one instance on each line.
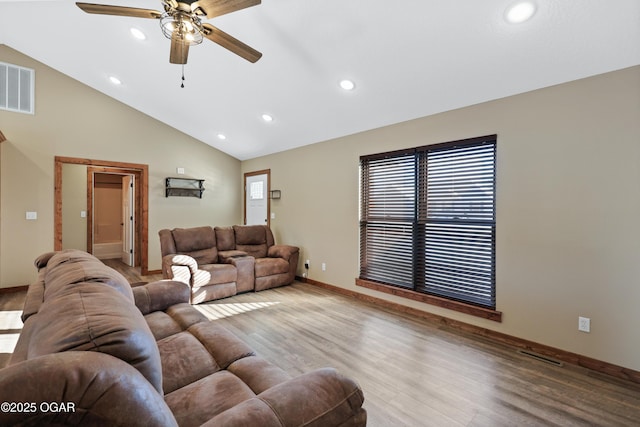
(182,84)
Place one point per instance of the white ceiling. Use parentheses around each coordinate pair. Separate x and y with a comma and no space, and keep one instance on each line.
(408,58)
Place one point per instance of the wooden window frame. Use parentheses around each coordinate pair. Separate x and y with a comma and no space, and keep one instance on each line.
(397,223)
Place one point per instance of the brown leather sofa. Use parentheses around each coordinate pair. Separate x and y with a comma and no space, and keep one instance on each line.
(94,351)
(222,261)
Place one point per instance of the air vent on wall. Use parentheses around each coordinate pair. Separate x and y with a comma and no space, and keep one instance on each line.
(16,88)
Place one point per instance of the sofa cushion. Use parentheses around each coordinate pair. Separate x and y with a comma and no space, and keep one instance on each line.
(213,292)
(204,256)
(257,373)
(223,346)
(217,273)
(185,315)
(198,242)
(225,238)
(73,266)
(271,266)
(250,235)
(251,239)
(256,251)
(174,320)
(162,325)
(184,361)
(202,400)
(92,316)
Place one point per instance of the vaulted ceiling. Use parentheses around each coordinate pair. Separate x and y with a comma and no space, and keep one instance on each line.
(407,58)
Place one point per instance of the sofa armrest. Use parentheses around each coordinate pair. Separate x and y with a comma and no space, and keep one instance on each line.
(282,251)
(319,398)
(179,267)
(80,387)
(34,299)
(181,260)
(160,295)
(225,257)
(43,260)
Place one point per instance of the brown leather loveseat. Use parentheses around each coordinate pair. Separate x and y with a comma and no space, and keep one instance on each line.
(94,351)
(223,261)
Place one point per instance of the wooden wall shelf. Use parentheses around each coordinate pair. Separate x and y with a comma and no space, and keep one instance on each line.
(184,187)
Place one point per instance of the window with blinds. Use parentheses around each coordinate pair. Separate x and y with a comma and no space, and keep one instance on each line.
(428,219)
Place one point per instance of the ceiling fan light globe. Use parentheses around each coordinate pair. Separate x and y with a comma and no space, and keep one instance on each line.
(193,37)
(189,28)
(168,25)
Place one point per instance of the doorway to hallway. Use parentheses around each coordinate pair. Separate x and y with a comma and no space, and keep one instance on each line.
(112,214)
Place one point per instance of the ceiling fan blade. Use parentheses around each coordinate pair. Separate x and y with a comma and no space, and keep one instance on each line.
(213,8)
(231,43)
(179,49)
(105,9)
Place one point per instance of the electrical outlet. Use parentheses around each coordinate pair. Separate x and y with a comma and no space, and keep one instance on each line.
(307,264)
(584,324)
(324,266)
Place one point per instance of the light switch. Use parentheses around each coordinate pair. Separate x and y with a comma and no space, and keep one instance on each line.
(180,171)
(32,215)
(273,215)
(83,214)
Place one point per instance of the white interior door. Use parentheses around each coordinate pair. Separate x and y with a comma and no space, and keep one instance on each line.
(128,213)
(257,201)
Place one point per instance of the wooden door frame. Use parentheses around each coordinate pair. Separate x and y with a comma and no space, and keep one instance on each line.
(91,170)
(143,213)
(261,172)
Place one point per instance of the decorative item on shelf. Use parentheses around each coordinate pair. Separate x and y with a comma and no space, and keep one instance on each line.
(275,194)
(186,187)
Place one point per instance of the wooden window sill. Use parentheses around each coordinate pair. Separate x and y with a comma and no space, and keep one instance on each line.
(461,307)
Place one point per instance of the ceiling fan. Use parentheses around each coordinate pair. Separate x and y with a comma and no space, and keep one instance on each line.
(181,22)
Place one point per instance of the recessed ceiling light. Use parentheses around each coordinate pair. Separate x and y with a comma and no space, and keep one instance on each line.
(520,12)
(347,85)
(137,34)
(267,118)
(115,80)
(222,136)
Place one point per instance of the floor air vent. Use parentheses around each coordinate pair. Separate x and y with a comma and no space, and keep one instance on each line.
(540,357)
(16,88)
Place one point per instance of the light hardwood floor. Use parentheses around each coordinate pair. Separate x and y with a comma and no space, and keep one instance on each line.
(413,372)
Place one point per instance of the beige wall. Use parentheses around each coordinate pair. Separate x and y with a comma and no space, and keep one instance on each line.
(74,120)
(568,209)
